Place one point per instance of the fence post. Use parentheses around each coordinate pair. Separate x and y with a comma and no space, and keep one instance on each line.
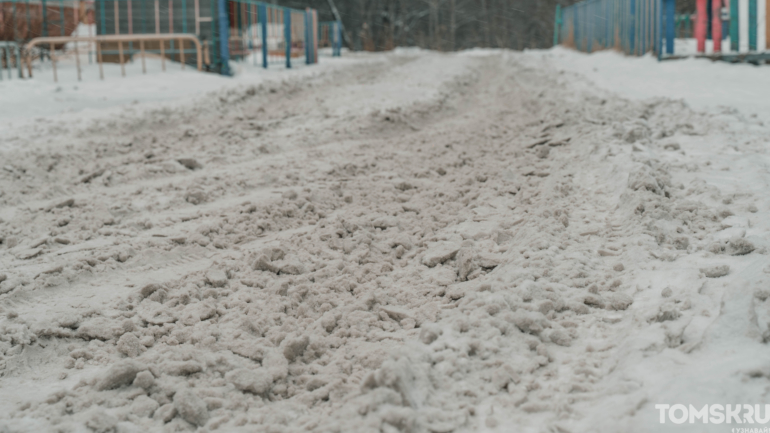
(659,29)
(307,36)
(753,25)
(607,21)
(556,23)
(589,26)
(716,25)
(701,22)
(338,37)
(642,40)
(19,53)
(287,34)
(734,29)
(262,11)
(630,27)
(313,33)
(576,22)
(763,35)
(45,17)
(224,39)
(670,9)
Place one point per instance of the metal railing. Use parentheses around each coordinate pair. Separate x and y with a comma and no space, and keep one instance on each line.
(272,34)
(235,30)
(10,56)
(119,40)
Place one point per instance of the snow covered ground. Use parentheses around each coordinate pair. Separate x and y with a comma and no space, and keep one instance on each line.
(413,241)
(23,102)
(702,84)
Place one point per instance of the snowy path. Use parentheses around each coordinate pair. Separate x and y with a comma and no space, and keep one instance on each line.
(418,242)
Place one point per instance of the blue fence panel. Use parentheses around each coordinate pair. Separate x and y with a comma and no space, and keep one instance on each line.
(631,26)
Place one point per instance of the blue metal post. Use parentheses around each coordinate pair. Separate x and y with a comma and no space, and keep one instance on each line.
(576,25)
(607,21)
(753,25)
(7,62)
(287,34)
(332,40)
(734,30)
(658,28)
(338,36)
(642,25)
(224,37)
(557,22)
(144,16)
(670,31)
(583,28)
(631,26)
(103,19)
(262,11)
(590,32)
(307,37)
(18,63)
(252,48)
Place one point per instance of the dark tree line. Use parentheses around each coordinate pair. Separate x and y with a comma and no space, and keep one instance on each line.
(444,25)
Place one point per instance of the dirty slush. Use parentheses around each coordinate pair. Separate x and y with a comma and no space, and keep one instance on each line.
(320,255)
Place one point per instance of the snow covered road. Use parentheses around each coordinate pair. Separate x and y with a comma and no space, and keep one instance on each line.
(414,242)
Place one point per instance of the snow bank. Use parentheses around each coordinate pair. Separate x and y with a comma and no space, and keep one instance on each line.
(704,84)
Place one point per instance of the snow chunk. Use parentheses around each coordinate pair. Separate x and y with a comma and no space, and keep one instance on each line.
(191,408)
(217,277)
(439,253)
(99,328)
(144,406)
(395,313)
(618,301)
(295,347)
(101,422)
(144,380)
(716,271)
(253,381)
(643,179)
(119,375)
(130,346)
(530,322)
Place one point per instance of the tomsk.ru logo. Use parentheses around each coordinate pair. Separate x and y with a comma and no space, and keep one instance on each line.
(717,414)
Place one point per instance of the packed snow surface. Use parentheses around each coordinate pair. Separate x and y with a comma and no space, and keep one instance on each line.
(405,242)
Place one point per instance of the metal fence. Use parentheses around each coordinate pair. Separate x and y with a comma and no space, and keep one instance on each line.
(330,36)
(637,27)
(235,30)
(228,30)
(269,34)
(10,59)
(24,20)
(630,26)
